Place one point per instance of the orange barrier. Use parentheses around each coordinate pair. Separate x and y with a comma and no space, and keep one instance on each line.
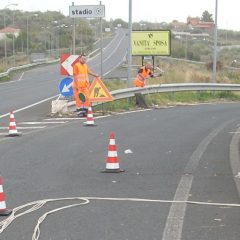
(112,163)
(90,119)
(3,209)
(12,130)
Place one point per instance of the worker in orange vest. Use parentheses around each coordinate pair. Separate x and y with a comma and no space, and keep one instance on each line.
(143,73)
(81,85)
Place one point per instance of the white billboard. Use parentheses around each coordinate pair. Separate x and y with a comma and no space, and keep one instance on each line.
(87,11)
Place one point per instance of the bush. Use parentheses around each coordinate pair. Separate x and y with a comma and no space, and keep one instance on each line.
(209,65)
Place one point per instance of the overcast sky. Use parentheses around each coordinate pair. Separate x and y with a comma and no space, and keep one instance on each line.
(149,10)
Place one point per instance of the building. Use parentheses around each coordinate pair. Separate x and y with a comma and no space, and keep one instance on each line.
(9,30)
(179,26)
(196,23)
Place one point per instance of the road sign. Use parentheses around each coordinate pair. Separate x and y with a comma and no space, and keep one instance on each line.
(87,11)
(65,87)
(98,92)
(67,62)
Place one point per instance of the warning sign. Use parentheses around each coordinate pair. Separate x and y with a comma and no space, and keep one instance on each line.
(67,62)
(98,92)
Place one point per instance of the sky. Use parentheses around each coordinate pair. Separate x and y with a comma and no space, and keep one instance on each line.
(228,16)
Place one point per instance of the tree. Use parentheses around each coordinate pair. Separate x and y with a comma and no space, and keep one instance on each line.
(206,17)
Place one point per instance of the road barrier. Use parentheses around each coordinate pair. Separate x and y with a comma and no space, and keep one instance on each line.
(163,88)
(36,63)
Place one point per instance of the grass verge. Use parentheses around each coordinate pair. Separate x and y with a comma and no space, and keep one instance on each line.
(169,99)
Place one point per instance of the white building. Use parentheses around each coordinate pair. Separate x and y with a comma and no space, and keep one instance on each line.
(9,30)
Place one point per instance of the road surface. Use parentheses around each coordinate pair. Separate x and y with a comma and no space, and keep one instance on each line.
(174,154)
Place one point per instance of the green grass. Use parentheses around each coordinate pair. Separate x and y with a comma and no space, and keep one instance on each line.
(175,73)
(190,97)
(169,99)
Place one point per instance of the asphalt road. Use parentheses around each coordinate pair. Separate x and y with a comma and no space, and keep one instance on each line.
(41,84)
(178,164)
(178,154)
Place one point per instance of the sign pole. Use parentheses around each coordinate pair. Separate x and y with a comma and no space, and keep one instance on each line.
(74,35)
(214,75)
(129,77)
(101,36)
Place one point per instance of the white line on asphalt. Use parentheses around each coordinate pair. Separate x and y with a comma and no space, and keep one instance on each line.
(21,76)
(175,219)
(29,106)
(37,127)
(35,123)
(56,119)
(235,159)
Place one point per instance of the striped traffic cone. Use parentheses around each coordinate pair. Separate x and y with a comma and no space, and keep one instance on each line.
(3,209)
(90,120)
(112,163)
(12,130)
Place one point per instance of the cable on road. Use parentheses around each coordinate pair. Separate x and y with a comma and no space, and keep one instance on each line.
(33,206)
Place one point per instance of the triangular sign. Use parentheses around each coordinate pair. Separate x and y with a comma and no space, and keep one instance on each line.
(98,92)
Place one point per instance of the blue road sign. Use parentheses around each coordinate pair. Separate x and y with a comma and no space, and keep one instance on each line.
(65,87)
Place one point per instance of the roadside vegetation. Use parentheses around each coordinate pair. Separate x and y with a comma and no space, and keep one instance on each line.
(178,72)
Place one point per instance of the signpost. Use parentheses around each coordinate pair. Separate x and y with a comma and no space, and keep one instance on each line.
(98,92)
(67,62)
(65,87)
(87,11)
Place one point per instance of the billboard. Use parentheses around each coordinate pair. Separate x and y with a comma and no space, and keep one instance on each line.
(151,43)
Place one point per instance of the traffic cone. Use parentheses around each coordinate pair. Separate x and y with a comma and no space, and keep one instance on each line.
(112,163)
(3,210)
(90,120)
(12,130)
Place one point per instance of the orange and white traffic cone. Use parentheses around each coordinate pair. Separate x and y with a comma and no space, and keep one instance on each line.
(90,119)
(12,130)
(112,163)
(3,209)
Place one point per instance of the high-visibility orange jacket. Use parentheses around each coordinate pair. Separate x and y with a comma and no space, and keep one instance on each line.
(80,75)
(143,73)
(81,84)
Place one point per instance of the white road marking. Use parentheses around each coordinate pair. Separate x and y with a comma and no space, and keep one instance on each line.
(55,119)
(36,127)
(35,123)
(29,106)
(175,219)
(21,77)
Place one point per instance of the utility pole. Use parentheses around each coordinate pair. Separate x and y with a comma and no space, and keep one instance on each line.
(129,77)
(14,60)
(5,40)
(101,38)
(214,80)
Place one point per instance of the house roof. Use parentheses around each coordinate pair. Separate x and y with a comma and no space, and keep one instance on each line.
(197,23)
(10,30)
(193,20)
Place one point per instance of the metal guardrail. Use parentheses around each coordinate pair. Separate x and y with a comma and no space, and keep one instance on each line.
(41,62)
(161,88)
